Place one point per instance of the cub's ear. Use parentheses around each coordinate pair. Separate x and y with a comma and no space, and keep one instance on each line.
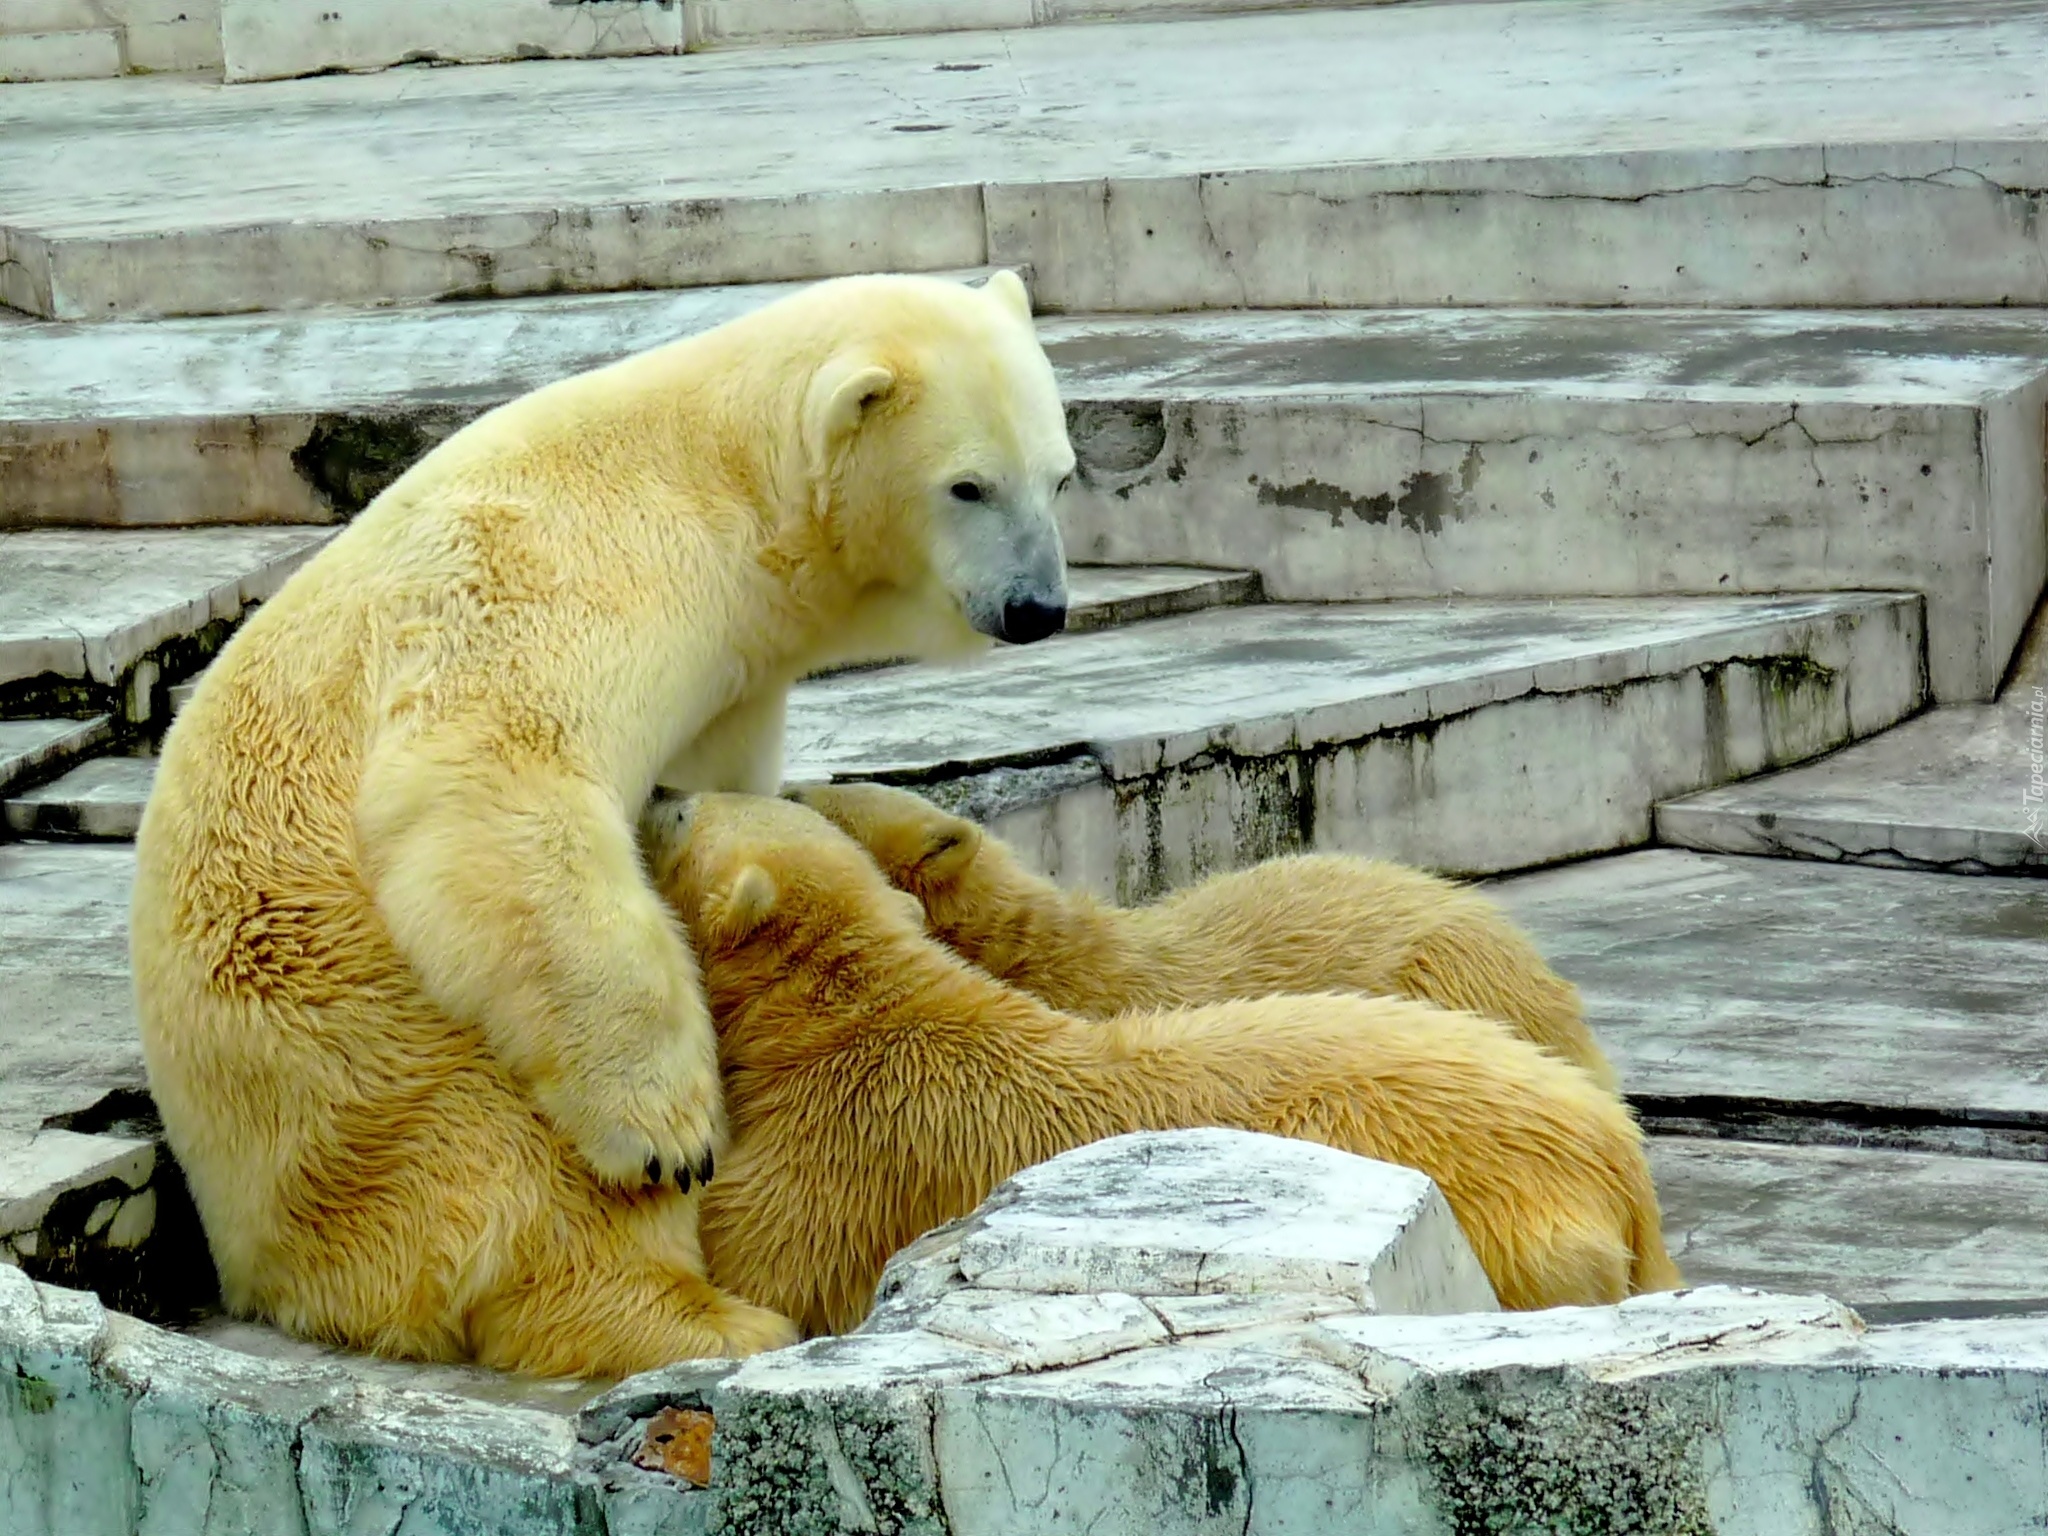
(1008,289)
(840,396)
(949,850)
(746,903)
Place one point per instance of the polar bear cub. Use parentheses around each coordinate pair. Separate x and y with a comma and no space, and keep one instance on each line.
(432,1052)
(1312,923)
(880,1085)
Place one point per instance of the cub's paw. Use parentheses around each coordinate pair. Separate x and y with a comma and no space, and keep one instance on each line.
(658,1123)
(745,1329)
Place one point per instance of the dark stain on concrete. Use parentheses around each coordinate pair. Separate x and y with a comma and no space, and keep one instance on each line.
(350,459)
(1117,437)
(1425,500)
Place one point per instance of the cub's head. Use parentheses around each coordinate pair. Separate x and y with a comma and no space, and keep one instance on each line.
(937,444)
(755,879)
(920,848)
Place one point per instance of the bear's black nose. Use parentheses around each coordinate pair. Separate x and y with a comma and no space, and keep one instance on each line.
(1027,619)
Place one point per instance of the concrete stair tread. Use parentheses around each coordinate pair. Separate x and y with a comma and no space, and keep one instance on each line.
(1339,454)
(83,53)
(892,140)
(1946,791)
(86,605)
(36,747)
(1267,678)
(1866,1225)
(67,1008)
(1877,995)
(386,359)
(100,799)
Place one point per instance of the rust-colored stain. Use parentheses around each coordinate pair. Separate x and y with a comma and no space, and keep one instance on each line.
(678,1442)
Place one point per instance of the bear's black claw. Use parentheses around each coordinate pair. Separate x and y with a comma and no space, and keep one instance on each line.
(682,1178)
(704,1169)
(654,1170)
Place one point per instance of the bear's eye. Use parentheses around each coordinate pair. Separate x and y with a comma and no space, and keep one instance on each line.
(1061,488)
(966,490)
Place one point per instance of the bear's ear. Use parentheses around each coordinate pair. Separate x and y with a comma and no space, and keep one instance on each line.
(746,902)
(1008,288)
(840,394)
(949,850)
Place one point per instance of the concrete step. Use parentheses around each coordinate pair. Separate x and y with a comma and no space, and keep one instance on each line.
(67,1010)
(33,750)
(745,23)
(1578,152)
(19,16)
(80,55)
(1473,736)
(1882,1230)
(1958,791)
(292,418)
(100,800)
(276,39)
(1339,454)
(97,620)
(1875,1005)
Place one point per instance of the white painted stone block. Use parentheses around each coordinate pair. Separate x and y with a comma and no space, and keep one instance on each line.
(27,56)
(34,1173)
(165,36)
(740,23)
(276,39)
(1184,1213)
(1037,1332)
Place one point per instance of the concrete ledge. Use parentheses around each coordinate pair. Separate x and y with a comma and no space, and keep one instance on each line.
(964,1409)
(1387,155)
(1136,760)
(96,617)
(276,39)
(1957,791)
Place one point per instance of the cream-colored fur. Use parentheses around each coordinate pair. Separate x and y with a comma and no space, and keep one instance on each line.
(1306,924)
(431,1050)
(880,1085)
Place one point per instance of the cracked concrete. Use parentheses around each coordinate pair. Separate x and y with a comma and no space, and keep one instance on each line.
(1337,162)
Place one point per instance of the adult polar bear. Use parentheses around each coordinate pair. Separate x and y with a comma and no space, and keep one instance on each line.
(423,1036)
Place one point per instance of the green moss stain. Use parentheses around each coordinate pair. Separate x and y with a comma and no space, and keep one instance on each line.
(32,1393)
(1537,1456)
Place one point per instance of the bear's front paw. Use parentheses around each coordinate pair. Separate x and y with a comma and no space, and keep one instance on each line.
(660,1125)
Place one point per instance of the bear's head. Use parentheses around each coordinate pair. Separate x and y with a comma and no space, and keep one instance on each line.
(760,881)
(935,447)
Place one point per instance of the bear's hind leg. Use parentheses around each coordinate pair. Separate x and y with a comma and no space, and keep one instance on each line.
(623,1293)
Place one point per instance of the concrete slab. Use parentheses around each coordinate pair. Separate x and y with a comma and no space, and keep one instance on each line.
(1530,151)
(1138,759)
(292,418)
(1347,455)
(277,39)
(82,55)
(1867,1226)
(1957,791)
(1341,455)
(1887,994)
(94,616)
(562,1396)
(67,1012)
(98,801)
(35,749)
